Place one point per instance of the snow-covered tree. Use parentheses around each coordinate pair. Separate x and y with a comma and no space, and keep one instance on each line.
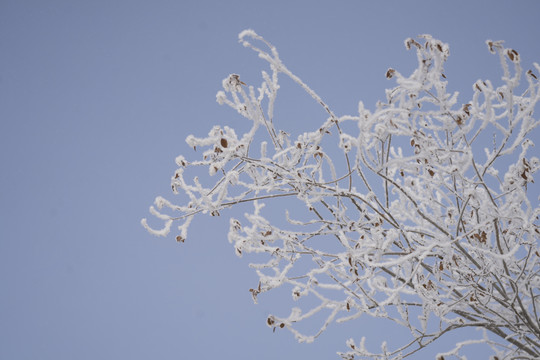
(401,212)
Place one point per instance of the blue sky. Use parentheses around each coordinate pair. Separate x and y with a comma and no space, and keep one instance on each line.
(96,98)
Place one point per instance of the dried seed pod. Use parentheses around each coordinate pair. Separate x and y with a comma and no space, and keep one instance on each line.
(466,109)
(512,54)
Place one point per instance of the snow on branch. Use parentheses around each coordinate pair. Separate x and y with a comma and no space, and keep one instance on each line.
(411,218)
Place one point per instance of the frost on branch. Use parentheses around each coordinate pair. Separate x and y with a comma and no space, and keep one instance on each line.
(419,211)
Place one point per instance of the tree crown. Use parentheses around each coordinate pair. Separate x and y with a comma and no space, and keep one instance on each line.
(401,213)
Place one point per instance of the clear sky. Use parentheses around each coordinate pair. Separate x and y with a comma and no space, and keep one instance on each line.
(96,98)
